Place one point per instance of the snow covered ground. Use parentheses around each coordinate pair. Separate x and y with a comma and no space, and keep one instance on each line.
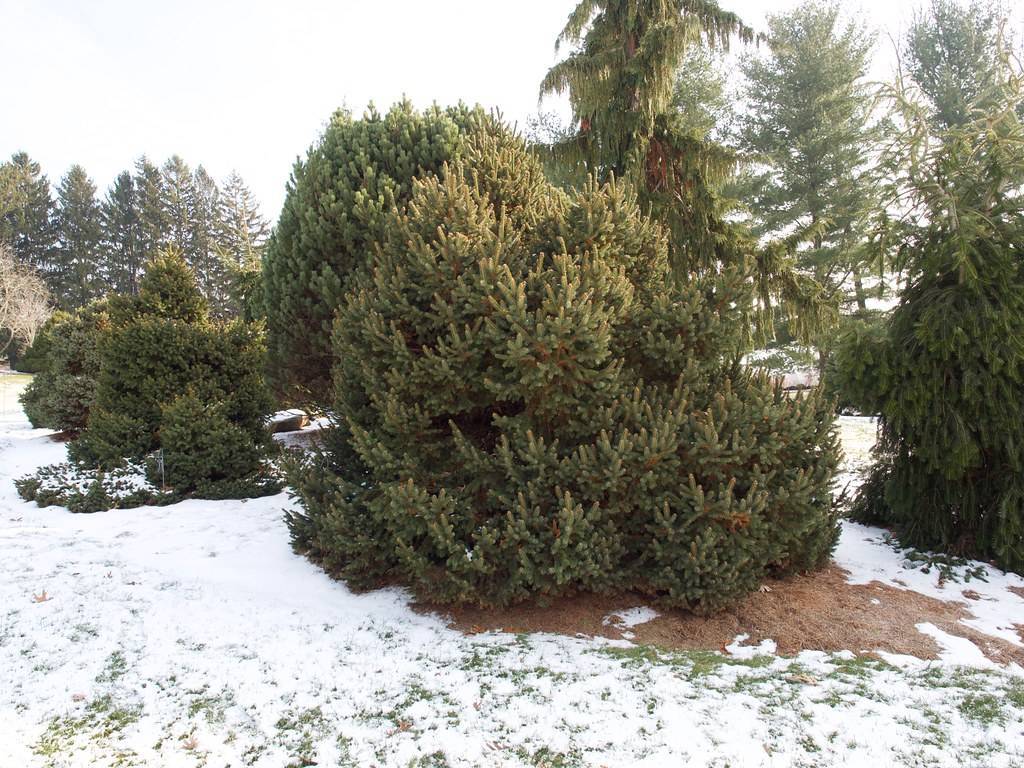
(190,635)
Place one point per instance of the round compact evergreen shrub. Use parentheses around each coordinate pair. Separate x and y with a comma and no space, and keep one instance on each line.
(530,404)
(202,449)
(61,393)
(33,358)
(332,216)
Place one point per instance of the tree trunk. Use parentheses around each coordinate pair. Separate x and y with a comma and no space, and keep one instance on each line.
(858,289)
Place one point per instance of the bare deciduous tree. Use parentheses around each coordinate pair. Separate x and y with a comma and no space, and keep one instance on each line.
(24,301)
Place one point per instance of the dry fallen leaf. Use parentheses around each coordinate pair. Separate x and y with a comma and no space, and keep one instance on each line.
(803,678)
(42,597)
(403,725)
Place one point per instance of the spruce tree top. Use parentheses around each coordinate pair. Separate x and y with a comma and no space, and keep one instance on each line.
(333,214)
(168,290)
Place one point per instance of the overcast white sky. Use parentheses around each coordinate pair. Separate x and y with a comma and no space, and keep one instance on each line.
(249,84)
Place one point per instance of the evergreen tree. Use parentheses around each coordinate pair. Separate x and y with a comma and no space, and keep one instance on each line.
(531,405)
(621,80)
(154,225)
(171,378)
(201,253)
(62,391)
(242,230)
(952,53)
(807,121)
(122,237)
(333,211)
(26,219)
(622,76)
(947,374)
(177,202)
(78,276)
(699,98)
(241,238)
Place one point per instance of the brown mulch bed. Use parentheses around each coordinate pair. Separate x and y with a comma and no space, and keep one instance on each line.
(819,611)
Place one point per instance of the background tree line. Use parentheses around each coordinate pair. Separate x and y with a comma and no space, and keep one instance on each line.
(85,246)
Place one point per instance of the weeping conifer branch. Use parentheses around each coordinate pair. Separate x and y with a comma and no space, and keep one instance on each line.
(621,77)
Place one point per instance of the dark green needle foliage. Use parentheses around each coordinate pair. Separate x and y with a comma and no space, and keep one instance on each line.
(531,404)
(622,77)
(332,215)
(62,392)
(947,376)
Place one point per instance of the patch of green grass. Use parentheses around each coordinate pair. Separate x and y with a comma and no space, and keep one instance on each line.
(949,567)
(983,708)
(483,657)
(858,666)
(100,721)
(809,744)
(962,678)
(298,732)
(82,632)
(114,669)
(212,708)
(1014,692)
(547,758)
(695,663)
(436,760)
(936,729)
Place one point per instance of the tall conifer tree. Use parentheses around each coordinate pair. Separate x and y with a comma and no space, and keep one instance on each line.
(79,222)
(153,223)
(621,78)
(27,219)
(808,122)
(201,252)
(946,374)
(177,199)
(952,54)
(242,230)
(121,236)
(241,236)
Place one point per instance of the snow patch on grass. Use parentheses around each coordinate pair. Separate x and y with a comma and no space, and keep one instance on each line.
(867,554)
(630,618)
(737,650)
(191,635)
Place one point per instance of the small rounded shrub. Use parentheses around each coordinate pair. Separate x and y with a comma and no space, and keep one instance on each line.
(530,405)
(32,358)
(173,380)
